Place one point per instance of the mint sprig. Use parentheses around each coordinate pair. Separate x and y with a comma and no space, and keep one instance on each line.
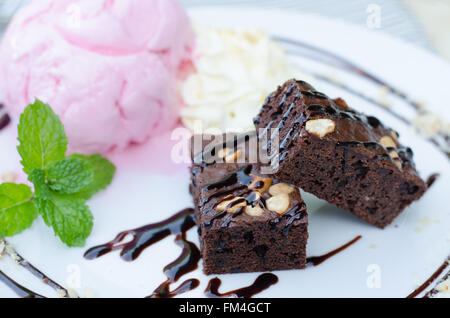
(62,183)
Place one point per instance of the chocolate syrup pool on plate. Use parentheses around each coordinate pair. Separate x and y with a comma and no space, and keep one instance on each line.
(187,262)
(317,260)
(145,236)
(261,283)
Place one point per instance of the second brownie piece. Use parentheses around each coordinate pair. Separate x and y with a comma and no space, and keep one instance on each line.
(248,222)
(338,154)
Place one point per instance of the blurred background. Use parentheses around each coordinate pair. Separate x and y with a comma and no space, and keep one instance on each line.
(425,23)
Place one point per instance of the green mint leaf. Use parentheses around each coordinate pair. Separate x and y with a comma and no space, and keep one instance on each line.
(70,218)
(70,175)
(41,189)
(68,215)
(17,211)
(104,172)
(41,136)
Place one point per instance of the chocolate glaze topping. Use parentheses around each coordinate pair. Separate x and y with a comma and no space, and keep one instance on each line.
(236,184)
(353,129)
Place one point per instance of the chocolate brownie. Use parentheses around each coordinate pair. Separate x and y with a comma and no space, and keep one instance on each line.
(338,154)
(247,221)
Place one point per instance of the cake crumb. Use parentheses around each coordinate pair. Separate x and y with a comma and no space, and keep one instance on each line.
(373,246)
(12,253)
(444,287)
(2,248)
(425,221)
(89,293)
(383,96)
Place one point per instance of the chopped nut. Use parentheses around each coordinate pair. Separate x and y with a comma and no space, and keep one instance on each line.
(387,142)
(254,211)
(398,164)
(260,184)
(394,155)
(320,127)
(229,206)
(394,136)
(278,203)
(280,188)
(9,176)
(341,103)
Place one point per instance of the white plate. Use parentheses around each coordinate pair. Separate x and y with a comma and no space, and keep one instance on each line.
(404,254)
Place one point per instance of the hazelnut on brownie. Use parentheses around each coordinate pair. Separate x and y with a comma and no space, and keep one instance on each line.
(338,154)
(248,222)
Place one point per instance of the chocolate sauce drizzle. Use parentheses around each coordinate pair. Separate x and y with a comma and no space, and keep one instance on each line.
(432,179)
(242,180)
(18,259)
(163,291)
(190,255)
(184,264)
(240,177)
(17,288)
(430,280)
(263,282)
(4,118)
(334,60)
(148,235)
(317,260)
(145,236)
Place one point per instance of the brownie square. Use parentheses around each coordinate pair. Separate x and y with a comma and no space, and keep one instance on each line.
(338,154)
(247,221)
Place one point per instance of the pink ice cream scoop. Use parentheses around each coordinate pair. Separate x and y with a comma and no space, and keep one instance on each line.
(108,68)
